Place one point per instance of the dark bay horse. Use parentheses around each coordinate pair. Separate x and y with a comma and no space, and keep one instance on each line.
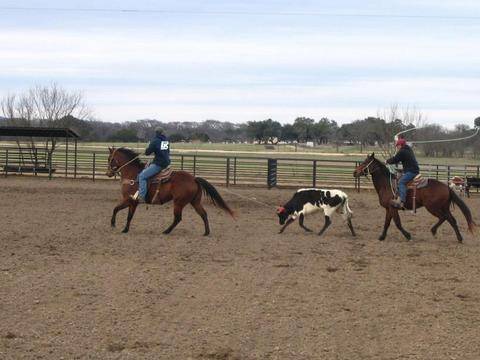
(436,197)
(182,188)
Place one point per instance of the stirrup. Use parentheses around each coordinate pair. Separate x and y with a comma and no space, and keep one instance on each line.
(397,204)
(135,196)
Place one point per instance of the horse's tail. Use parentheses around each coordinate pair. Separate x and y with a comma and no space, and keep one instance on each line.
(465,210)
(212,193)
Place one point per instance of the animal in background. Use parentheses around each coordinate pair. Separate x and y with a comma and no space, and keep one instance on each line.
(309,201)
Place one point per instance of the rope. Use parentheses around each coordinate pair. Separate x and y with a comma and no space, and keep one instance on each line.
(446,140)
(436,141)
(121,167)
(249,199)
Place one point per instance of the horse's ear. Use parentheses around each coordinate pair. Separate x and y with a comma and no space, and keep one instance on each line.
(373,155)
(109,149)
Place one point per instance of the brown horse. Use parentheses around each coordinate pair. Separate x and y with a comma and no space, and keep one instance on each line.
(182,188)
(436,197)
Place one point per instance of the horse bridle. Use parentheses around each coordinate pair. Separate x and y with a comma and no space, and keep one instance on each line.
(117,168)
(369,172)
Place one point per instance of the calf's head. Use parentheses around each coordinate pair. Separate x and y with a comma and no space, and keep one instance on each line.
(283,214)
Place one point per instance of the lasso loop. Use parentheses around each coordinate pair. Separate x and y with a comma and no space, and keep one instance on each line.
(477,130)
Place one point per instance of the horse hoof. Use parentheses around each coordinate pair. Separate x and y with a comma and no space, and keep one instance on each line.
(125,231)
(381,238)
(206,234)
(166,232)
(408,237)
(112,225)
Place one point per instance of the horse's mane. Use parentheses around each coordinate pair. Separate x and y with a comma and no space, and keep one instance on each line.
(384,168)
(130,154)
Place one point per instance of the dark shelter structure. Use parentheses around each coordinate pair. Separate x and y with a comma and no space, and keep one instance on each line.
(29,156)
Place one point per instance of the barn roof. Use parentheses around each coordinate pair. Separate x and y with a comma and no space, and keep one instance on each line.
(43,132)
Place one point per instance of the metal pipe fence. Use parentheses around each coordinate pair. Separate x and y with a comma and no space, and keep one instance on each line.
(223,170)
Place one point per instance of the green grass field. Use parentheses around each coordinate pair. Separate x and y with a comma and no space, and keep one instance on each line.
(323,152)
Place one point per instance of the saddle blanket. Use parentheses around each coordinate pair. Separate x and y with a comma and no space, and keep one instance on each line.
(163,176)
(418,182)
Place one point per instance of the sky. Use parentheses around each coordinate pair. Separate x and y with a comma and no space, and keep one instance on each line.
(248,60)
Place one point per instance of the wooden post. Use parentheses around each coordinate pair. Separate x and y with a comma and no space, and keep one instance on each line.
(75,159)
(66,156)
(235,171)
(93,168)
(194,165)
(181,162)
(228,172)
(314,182)
(356,179)
(36,160)
(6,163)
(50,165)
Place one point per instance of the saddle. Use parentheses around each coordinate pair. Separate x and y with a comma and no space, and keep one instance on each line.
(418,182)
(162,177)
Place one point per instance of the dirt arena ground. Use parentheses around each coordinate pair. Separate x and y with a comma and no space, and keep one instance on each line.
(71,287)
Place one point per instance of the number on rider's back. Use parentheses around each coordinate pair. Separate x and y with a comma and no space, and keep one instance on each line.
(164,145)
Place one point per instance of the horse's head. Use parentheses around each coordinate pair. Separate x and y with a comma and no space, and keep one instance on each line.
(112,162)
(120,158)
(369,165)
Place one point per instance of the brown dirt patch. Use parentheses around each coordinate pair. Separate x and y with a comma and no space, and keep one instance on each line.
(71,287)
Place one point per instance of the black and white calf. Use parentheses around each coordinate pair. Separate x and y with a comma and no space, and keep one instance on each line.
(308,201)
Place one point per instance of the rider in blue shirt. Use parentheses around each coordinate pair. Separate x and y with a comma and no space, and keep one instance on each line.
(406,156)
(160,146)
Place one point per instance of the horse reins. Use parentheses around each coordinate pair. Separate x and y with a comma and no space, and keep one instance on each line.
(117,170)
(368,168)
(370,173)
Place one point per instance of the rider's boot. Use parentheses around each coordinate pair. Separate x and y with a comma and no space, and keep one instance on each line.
(138,198)
(397,203)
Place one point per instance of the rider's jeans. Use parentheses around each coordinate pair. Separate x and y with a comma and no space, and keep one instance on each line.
(151,170)
(402,184)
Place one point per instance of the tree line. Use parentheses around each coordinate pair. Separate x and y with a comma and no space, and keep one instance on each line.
(54,106)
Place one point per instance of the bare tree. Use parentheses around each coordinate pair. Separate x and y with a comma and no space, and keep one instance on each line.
(49,105)
(399,119)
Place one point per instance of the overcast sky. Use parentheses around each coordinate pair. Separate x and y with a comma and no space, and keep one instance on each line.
(249,60)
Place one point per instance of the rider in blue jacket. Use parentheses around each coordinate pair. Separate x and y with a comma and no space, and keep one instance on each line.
(160,146)
(406,156)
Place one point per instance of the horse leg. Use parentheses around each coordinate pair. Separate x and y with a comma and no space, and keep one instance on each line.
(132,206)
(177,217)
(388,219)
(326,225)
(300,222)
(451,220)
(441,220)
(396,219)
(203,214)
(117,208)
